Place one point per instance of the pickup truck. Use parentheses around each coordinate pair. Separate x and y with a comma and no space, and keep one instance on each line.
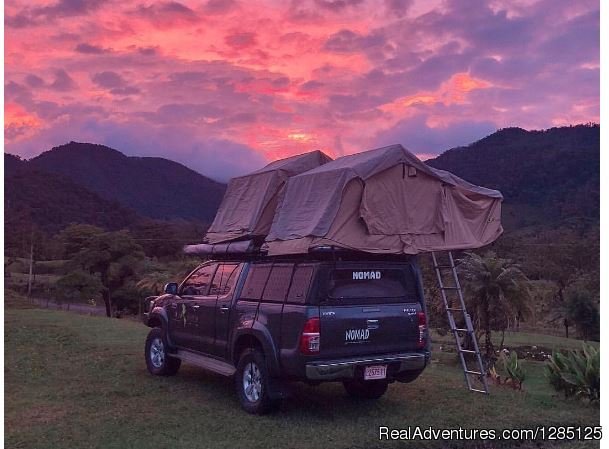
(359,321)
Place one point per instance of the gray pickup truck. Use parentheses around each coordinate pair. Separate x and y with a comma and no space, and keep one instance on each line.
(268,322)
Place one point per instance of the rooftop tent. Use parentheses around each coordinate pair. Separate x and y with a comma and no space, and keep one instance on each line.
(249,203)
(383,201)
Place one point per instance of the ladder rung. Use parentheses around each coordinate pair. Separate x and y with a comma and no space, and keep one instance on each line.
(477,373)
(478,391)
(468,351)
(450,288)
(442,266)
(458,329)
(455,309)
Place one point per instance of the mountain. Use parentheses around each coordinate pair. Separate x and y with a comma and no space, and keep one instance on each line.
(12,164)
(546,177)
(153,187)
(52,202)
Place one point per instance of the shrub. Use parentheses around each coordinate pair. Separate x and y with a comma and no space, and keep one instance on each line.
(513,369)
(576,373)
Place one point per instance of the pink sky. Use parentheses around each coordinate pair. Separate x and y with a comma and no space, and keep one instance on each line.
(225,85)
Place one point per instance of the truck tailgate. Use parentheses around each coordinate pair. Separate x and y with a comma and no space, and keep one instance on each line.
(368,329)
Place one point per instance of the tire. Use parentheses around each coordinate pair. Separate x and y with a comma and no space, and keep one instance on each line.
(365,389)
(158,362)
(252,383)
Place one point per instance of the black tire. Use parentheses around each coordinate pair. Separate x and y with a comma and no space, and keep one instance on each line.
(162,364)
(256,399)
(365,389)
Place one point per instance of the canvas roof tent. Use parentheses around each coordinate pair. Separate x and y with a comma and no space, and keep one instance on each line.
(383,201)
(249,203)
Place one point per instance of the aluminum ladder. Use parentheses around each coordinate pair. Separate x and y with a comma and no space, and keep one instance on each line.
(455,303)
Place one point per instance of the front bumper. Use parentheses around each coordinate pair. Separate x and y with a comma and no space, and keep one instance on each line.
(346,368)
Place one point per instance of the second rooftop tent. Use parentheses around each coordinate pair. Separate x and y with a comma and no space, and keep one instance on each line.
(249,204)
(383,201)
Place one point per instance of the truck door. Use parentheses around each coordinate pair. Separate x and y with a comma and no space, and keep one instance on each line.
(189,328)
(369,309)
(222,290)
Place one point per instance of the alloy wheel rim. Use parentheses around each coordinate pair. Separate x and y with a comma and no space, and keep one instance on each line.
(252,382)
(157,353)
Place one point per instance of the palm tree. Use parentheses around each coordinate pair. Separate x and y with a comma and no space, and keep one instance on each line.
(154,282)
(496,293)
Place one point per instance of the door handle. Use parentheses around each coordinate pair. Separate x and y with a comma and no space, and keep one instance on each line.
(196,306)
(223,309)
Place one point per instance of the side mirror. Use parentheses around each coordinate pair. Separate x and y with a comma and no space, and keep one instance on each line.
(171,288)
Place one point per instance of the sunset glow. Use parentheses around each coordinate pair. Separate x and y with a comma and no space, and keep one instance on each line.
(225,85)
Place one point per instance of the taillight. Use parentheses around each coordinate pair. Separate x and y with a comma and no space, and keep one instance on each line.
(309,339)
(422,330)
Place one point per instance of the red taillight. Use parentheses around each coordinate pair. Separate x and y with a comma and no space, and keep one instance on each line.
(309,339)
(422,330)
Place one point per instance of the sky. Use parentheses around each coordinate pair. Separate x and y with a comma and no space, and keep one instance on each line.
(224,86)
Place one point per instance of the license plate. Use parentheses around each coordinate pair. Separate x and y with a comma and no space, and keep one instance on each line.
(375,372)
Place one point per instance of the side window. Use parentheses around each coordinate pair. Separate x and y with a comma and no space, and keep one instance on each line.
(198,283)
(224,279)
(278,283)
(300,284)
(255,282)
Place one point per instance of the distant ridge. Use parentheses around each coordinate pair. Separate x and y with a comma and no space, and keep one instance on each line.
(152,186)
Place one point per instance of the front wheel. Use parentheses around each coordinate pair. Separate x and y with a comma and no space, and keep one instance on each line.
(158,361)
(365,389)
(252,383)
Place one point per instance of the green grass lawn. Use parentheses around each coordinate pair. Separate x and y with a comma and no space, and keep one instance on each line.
(74,381)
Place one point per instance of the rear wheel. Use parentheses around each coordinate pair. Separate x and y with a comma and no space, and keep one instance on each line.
(158,361)
(252,383)
(365,389)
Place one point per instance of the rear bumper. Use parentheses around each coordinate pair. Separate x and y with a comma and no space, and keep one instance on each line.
(346,368)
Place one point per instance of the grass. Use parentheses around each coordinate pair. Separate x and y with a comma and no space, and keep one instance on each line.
(74,381)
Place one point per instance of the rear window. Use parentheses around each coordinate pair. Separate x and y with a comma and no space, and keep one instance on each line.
(371,285)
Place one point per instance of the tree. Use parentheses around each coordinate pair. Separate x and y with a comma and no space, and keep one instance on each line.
(77,286)
(496,292)
(580,309)
(115,256)
(76,237)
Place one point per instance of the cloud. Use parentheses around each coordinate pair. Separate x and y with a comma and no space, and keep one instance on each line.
(166,14)
(219,6)
(241,39)
(85,48)
(337,5)
(48,13)
(108,79)
(420,138)
(34,80)
(63,81)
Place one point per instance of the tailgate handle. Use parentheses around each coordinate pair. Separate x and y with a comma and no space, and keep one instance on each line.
(370,309)
(372,324)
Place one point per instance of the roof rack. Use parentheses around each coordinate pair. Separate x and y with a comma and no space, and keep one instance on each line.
(251,250)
